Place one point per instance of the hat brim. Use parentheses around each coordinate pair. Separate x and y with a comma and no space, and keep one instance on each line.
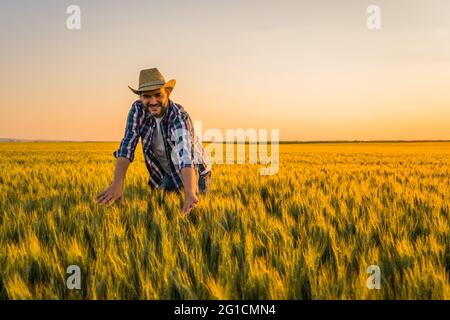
(169,84)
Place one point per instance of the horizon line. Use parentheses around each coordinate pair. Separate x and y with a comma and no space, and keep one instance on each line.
(245,142)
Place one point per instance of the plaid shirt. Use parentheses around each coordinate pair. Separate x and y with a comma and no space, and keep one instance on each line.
(183,147)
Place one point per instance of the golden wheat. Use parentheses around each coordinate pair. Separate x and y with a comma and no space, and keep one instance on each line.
(309,232)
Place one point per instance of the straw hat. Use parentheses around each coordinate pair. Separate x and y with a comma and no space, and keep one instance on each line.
(152,79)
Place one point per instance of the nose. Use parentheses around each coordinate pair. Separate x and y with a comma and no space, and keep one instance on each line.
(153,101)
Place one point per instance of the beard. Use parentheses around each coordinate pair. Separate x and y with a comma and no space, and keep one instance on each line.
(159,105)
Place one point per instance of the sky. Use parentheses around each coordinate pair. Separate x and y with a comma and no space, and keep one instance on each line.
(311,69)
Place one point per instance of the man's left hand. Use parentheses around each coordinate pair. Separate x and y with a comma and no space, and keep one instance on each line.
(190,202)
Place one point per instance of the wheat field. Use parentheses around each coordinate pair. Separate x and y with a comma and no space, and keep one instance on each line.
(308,232)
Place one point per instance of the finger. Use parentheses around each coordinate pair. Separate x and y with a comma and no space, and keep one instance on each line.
(111,201)
(104,194)
(100,199)
(185,208)
(101,194)
(106,199)
(193,204)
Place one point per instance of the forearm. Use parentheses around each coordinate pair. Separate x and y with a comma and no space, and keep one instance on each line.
(122,164)
(189,178)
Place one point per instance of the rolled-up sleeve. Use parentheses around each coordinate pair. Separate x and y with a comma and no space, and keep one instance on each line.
(184,135)
(131,137)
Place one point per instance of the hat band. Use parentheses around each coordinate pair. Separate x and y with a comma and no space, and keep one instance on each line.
(150,85)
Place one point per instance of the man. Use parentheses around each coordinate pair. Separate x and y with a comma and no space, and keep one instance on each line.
(173,154)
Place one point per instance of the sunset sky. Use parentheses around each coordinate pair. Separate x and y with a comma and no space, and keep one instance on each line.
(311,69)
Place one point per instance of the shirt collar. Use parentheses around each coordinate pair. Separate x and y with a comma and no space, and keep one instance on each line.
(167,111)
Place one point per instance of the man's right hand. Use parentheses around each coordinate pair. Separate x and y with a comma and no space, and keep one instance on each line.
(115,190)
(111,194)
